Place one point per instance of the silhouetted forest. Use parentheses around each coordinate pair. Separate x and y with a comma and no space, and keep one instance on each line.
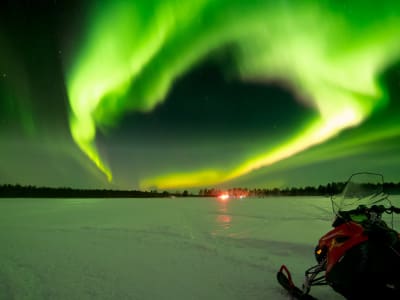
(19,191)
(330,189)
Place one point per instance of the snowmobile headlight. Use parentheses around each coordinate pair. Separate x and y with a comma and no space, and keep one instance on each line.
(320,253)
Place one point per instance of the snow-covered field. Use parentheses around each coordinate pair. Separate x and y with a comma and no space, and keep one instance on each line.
(182,248)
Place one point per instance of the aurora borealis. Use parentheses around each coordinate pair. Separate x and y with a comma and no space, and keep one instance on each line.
(184,94)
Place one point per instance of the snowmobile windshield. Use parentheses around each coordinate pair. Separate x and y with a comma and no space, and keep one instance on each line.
(362,189)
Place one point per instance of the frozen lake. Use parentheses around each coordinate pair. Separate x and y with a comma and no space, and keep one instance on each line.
(182,248)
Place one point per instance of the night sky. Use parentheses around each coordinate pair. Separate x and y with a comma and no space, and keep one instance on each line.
(173,95)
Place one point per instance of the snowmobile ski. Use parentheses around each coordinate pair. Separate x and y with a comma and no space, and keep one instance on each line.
(285,280)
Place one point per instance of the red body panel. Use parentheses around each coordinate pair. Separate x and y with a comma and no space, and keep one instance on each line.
(339,240)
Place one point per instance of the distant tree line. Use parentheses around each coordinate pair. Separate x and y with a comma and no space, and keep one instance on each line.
(321,190)
(19,191)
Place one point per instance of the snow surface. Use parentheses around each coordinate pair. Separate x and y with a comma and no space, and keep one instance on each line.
(182,248)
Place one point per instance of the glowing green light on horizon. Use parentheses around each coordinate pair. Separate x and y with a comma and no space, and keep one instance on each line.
(329,54)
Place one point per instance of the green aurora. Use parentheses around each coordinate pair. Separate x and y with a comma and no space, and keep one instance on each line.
(174,94)
(330,54)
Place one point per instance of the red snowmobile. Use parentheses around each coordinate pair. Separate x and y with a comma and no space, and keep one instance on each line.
(360,257)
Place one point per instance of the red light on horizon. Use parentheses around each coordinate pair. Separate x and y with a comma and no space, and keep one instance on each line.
(223,197)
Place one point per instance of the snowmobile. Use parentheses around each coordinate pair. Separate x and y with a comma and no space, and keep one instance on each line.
(360,257)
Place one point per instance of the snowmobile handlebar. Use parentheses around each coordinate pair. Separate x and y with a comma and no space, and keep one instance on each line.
(363,210)
(380,209)
(377,209)
(395,210)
